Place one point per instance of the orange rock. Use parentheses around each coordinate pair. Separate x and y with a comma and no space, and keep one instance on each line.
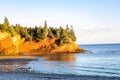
(46,46)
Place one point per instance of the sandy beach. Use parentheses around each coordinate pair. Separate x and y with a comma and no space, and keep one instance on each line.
(43,76)
(18,57)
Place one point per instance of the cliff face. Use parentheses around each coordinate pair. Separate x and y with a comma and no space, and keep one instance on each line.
(17,46)
(8,44)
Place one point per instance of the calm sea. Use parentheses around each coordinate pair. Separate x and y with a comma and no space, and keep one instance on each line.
(98,60)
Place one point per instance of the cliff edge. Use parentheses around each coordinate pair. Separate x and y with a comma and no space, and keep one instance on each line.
(17,46)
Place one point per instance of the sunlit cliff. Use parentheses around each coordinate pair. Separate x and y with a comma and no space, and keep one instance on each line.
(19,40)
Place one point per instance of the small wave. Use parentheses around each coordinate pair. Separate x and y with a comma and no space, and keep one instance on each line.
(95,67)
(106,72)
(113,52)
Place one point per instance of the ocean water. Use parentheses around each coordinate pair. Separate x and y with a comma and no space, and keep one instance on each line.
(98,60)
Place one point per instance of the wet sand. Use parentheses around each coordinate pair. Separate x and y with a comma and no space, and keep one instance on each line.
(43,76)
(18,57)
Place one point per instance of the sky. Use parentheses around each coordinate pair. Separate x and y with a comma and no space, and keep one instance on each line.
(94,21)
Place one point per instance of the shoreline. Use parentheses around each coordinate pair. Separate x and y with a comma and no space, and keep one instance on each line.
(47,76)
(18,57)
(37,56)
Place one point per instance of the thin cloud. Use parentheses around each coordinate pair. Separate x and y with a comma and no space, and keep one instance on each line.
(91,30)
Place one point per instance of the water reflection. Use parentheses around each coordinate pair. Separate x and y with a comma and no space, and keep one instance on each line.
(60,57)
(13,65)
(21,65)
(57,63)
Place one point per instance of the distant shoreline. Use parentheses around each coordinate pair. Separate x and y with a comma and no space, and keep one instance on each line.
(100,44)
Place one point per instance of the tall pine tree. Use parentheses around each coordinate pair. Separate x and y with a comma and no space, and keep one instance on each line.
(45,30)
(72,34)
(6,22)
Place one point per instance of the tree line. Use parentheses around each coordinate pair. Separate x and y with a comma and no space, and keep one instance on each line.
(38,33)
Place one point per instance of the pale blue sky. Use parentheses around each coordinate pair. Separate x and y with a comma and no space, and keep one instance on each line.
(94,21)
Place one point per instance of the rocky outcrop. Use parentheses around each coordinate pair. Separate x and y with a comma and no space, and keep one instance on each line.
(8,44)
(17,46)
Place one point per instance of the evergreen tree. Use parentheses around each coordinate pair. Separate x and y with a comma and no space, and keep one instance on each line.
(24,34)
(39,33)
(67,29)
(57,33)
(45,24)
(11,30)
(6,22)
(72,34)
(3,27)
(45,31)
(17,28)
(50,34)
